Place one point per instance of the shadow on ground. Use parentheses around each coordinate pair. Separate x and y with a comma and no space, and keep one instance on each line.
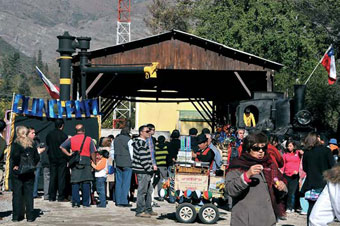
(5,214)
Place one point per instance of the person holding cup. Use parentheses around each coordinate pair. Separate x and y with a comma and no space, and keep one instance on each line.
(255,184)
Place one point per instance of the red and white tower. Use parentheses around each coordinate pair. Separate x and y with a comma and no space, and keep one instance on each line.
(124,21)
(123,111)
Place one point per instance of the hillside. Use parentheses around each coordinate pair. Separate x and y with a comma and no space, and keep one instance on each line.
(30,25)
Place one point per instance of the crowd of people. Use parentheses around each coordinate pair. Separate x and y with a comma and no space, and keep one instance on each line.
(278,176)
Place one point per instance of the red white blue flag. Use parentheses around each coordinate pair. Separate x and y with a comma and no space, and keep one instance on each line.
(328,61)
(52,89)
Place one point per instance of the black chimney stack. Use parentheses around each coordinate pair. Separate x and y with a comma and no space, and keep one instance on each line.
(299,98)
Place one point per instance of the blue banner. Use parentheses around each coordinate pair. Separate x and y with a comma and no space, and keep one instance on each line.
(55,108)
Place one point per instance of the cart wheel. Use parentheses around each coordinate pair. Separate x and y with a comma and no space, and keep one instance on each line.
(186,213)
(209,214)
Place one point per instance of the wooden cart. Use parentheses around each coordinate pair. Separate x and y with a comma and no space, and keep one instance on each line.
(197,177)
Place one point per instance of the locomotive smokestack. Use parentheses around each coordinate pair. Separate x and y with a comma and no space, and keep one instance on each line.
(65,60)
(299,97)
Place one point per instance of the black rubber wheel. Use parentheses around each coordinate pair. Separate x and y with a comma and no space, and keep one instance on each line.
(209,214)
(186,213)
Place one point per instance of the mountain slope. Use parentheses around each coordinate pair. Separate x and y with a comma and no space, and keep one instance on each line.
(30,25)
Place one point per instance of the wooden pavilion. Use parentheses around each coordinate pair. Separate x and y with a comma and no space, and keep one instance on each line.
(209,74)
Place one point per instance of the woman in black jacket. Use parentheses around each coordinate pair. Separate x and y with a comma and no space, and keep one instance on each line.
(22,183)
(316,159)
(173,147)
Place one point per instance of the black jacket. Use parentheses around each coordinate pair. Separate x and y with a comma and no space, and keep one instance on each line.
(315,162)
(53,141)
(2,149)
(17,151)
(173,147)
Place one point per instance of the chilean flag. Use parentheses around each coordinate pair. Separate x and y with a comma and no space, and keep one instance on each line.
(52,89)
(328,61)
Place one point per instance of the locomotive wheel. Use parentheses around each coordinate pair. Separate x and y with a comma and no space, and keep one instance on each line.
(186,213)
(209,214)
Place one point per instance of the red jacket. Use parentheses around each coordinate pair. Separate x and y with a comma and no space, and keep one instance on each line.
(275,156)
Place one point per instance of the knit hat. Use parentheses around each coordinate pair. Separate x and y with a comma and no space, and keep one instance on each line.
(207,195)
(187,193)
(162,193)
(333,141)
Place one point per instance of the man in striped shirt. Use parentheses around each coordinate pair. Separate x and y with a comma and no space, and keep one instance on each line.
(143,167)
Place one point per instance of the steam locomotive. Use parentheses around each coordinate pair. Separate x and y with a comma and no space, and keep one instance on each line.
(278,115)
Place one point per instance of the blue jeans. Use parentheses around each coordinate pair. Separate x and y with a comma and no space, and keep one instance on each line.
(123,181)
(85,193)
(100,185)
(36,181)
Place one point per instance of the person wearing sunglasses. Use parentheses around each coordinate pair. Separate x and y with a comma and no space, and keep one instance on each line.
(142,166)
(255,184)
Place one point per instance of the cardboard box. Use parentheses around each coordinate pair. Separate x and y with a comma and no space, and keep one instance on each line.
(191,181)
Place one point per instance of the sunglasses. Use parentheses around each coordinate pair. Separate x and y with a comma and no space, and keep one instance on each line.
(255,148)
(147,131)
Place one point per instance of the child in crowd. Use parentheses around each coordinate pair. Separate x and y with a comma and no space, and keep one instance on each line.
(100,175)
(333,145)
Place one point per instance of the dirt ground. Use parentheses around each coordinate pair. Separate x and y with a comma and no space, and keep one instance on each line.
(61,213)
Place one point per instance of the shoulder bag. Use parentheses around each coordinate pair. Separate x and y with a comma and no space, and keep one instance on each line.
(26,164)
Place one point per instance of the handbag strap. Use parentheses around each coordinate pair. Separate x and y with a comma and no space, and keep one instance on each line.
(82,144)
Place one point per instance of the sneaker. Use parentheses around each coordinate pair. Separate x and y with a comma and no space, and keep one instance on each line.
(289,211)
(74,205)
(152,213)
(144,215)
(303,213)
(155,204)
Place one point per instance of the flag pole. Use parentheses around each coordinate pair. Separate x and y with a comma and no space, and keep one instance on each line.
(12,107)
(318,64)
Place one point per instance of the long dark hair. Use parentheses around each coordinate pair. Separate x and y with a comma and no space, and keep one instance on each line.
(293,143)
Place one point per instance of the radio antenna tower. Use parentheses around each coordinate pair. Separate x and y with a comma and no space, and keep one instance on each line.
(124,21)
(123,111)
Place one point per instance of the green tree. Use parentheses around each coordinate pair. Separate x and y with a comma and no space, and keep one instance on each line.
(40,63)
(275,30)
(24,88)
(168,14)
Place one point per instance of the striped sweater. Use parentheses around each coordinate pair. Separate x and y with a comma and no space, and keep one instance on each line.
(161,154)
(142,163)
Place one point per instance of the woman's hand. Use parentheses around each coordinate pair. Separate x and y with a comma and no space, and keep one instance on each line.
(15,167)
(193,155)
(254,170)
(93,165)
(41,150)
(280,185)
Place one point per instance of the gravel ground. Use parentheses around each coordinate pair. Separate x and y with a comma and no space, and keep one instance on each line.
(61,213)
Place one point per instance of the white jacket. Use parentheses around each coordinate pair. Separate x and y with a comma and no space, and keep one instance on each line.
(327,206)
